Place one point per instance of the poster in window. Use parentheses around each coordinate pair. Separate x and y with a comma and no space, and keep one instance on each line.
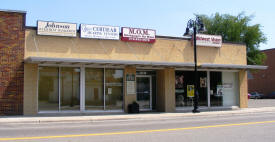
(179,83)
(219,90)
(190,91)
(203,82)
(131,83)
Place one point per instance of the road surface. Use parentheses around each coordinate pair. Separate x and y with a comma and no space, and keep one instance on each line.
(230,128)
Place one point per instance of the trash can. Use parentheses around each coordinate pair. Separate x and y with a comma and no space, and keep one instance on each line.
(133,108)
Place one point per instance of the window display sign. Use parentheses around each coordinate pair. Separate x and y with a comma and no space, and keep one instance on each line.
(130,83)
(99,32)
(190,91)
(219,90)
(203,82)
(209,40)
(138,35)
(56,28)
(228,85)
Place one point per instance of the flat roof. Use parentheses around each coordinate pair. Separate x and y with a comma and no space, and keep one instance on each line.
(14,11)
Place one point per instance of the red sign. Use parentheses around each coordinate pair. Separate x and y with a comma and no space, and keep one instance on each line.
(138,35)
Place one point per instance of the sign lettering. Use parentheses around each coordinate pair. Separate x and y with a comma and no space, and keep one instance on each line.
(138,35)
(209,40)
(99,32)
(56,28)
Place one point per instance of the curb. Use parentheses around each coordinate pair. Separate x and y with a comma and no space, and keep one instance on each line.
(150,116)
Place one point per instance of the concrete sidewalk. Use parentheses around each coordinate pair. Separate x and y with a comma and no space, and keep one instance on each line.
(142,116)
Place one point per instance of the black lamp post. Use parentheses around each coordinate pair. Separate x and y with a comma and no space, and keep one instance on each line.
(197,26)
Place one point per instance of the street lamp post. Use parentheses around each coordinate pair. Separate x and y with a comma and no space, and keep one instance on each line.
(197,26)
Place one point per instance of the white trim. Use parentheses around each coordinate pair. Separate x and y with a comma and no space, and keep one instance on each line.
(59,90)
(82,88)
(151,92)
(79,65)
(208,88)
(220,70)
(104,92)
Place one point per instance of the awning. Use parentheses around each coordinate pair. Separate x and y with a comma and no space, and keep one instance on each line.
(101,62)
(149,64)
(230,66)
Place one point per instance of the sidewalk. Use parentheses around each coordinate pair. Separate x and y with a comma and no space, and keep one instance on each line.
(142,116)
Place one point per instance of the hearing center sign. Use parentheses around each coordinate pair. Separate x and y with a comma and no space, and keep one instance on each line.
(56,28)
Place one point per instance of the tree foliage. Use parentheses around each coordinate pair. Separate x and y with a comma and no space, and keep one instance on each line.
(238,29)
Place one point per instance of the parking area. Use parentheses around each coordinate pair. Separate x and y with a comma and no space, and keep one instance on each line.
(254,103)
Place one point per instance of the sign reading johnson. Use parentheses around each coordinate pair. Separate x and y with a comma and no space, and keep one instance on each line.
(99,32)
(209,40)
(138,35)
(56,28)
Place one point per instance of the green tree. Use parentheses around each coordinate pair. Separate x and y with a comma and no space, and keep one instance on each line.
(238,29)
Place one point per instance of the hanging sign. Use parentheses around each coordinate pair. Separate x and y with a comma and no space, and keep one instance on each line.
(99,32)
(56,28)
(190,91)
(209,40)
(138,35)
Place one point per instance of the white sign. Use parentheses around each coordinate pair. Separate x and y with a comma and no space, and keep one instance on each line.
(138,35)
(56,28)
(228,85)
(209,40)
(109,91)
(99,32)
(131,89)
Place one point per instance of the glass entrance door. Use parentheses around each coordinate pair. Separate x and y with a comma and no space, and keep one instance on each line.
(144,92)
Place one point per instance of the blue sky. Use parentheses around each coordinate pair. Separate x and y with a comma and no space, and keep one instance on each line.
(168,17)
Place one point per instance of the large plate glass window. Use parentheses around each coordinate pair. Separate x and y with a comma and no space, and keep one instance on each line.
(70,88)
(94,95)
(48,99)
(113,89)
(184,88)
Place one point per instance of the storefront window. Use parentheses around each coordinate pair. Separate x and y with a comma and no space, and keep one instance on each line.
(224,90)
(113,88)
(70,88)
(94,95)
(185,88)
(48,89)
(230,88)
(69,81)
(216,94)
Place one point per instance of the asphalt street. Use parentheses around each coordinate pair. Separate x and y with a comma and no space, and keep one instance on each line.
(226,128)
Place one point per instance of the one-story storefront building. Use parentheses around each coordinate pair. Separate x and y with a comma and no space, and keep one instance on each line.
(55,68)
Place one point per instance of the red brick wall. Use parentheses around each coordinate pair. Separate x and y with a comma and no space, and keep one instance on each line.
(264,80)
(12,42)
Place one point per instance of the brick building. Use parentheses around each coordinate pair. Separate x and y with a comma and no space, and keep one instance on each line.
(263,81)
(12,42)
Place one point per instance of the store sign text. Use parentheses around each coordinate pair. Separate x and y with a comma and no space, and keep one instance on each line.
(99,32)
(209,40)
(56,28)
(138,35)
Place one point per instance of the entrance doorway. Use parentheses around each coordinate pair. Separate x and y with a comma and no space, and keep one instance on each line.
(144,92)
